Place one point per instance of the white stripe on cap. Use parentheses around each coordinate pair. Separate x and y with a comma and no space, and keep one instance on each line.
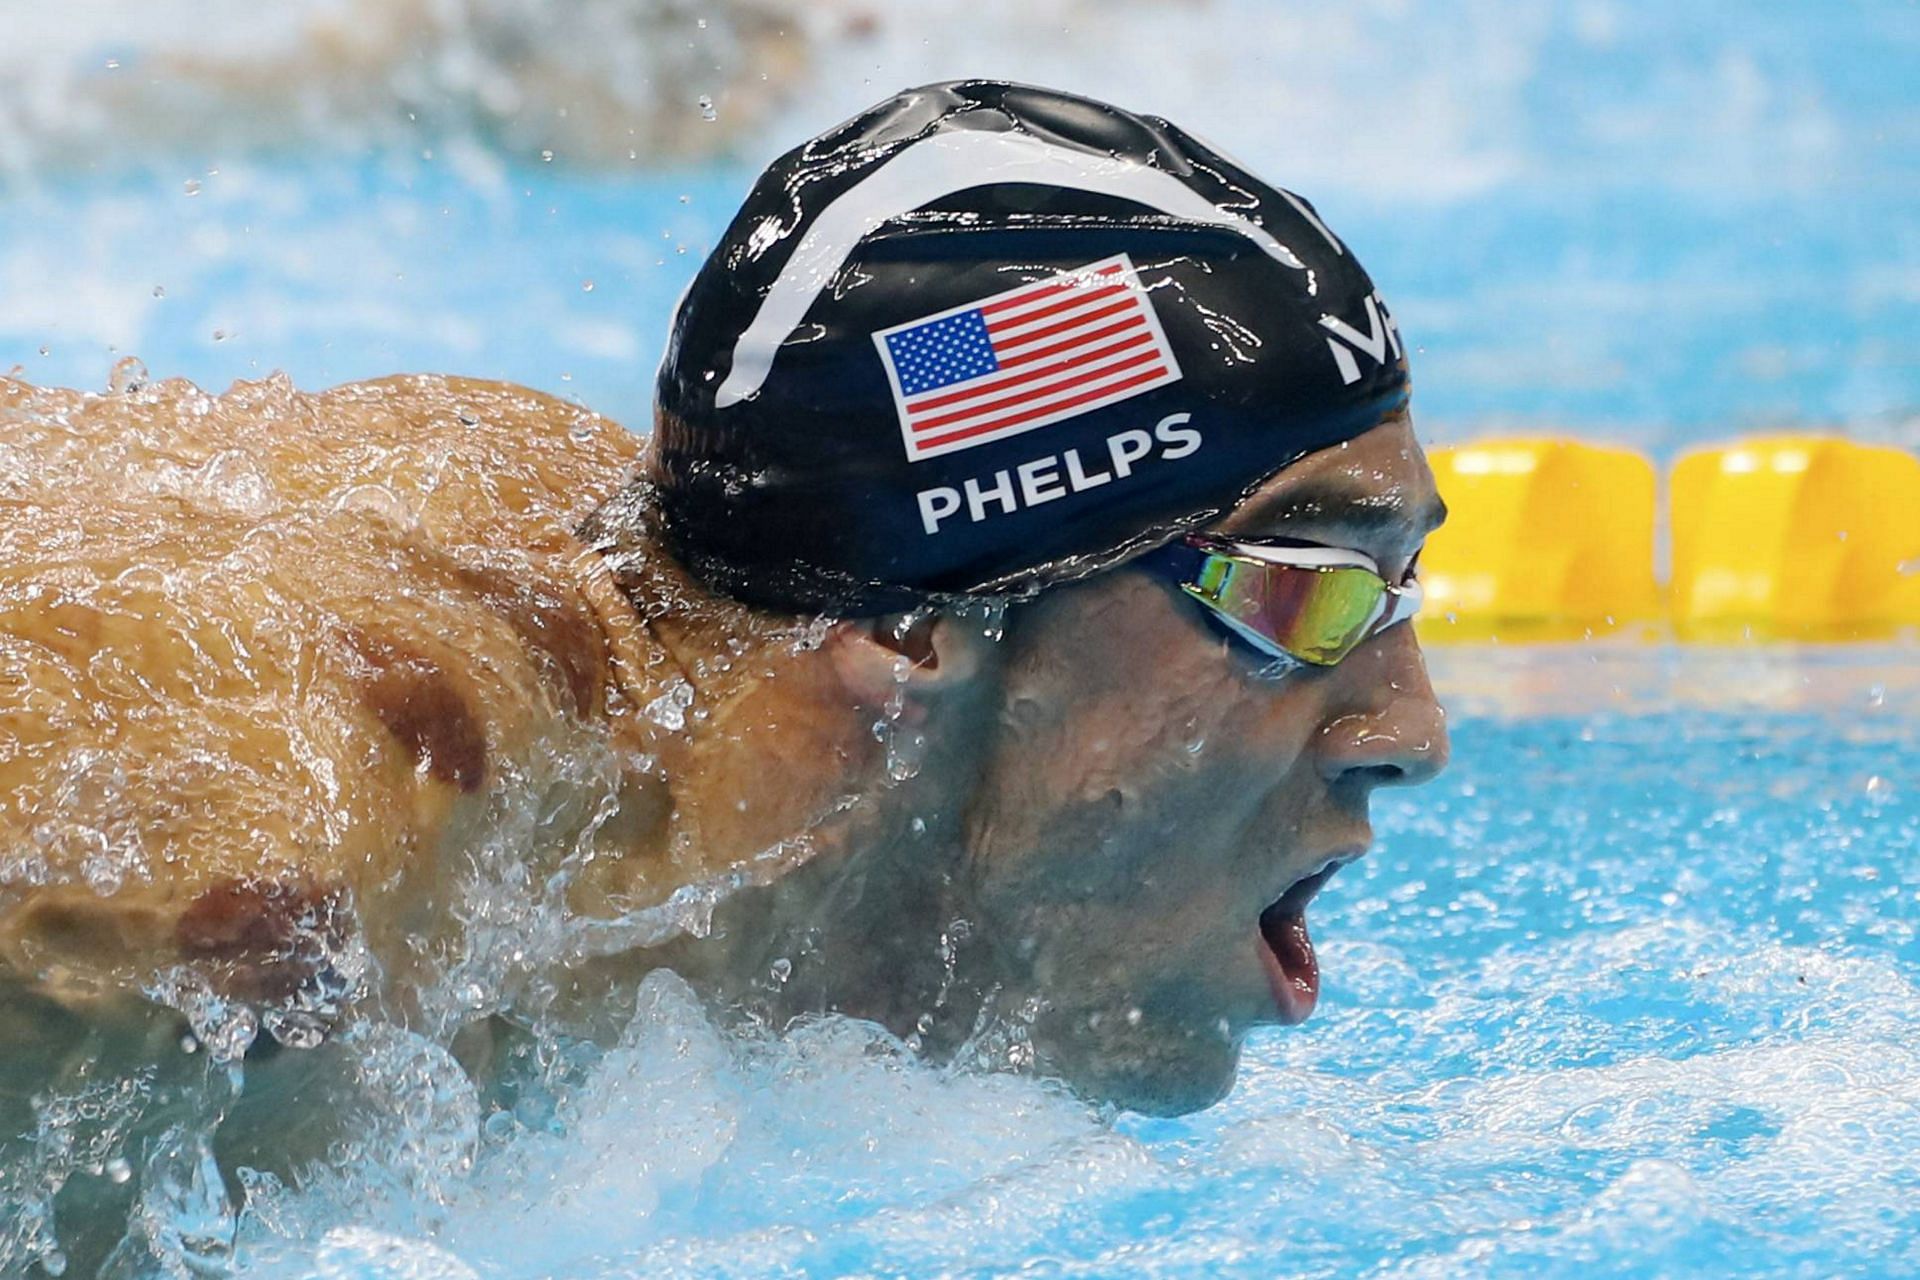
(926,171)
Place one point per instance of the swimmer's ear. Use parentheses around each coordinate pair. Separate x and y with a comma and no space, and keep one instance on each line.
(931,654)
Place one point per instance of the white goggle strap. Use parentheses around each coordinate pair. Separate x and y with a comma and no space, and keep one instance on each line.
(1304,557)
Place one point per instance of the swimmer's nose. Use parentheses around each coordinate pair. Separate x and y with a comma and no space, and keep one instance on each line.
(1385,728)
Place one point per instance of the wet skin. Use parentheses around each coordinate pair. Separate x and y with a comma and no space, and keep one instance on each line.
(1154,788)
(1114,795)
(316,712)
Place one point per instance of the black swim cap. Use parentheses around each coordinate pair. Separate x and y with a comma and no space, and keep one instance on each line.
(986,337)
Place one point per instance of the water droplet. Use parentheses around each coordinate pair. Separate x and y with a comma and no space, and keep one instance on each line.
(708,111)
(698,22)
(782,969)
(546,157)
(586,286)
(219,335)
(159,291)
(119,1170)
(191,186)
(669,710)
(44,349)
(113,64)
(1133,1017)
(128,376)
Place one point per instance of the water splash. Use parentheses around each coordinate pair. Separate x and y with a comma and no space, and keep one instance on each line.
(1621,995)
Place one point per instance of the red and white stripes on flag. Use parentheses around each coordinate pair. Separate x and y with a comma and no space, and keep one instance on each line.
(1027,358)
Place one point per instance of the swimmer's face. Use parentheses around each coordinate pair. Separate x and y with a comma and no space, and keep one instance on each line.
(1153,791)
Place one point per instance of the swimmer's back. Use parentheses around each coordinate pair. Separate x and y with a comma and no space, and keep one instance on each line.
(265,654)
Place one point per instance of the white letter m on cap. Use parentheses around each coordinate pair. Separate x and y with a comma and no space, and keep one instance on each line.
(1382,336)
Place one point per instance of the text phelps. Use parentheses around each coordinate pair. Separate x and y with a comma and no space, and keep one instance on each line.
(1058,474)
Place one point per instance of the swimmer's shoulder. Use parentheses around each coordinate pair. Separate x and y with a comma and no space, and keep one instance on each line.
(465,460)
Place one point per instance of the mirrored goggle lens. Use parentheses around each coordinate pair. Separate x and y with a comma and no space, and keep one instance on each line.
(1314,614)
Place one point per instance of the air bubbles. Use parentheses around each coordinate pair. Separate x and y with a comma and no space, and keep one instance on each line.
(294,1028)
(708,111)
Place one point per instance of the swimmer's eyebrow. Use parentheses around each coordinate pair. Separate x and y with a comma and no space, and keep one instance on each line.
(1350,509)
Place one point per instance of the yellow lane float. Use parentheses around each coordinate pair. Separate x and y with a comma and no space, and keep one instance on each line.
(1788,536)
(1546,539)
(1803,537)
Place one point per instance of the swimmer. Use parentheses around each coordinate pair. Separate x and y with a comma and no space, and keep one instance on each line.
(998,637)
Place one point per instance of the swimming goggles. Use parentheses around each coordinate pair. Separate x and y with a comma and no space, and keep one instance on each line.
(1309,604)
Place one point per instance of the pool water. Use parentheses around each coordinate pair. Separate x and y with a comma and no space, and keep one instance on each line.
(1633,989)
(1653,223)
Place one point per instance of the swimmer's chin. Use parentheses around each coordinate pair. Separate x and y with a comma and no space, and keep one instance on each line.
(1158,1084)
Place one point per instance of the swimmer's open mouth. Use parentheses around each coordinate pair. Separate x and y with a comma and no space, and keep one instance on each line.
(1286,950)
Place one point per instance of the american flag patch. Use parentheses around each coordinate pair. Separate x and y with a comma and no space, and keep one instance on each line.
(1026,358)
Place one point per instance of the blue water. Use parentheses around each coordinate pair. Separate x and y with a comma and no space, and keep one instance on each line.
(1656,223)
(1633,990)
